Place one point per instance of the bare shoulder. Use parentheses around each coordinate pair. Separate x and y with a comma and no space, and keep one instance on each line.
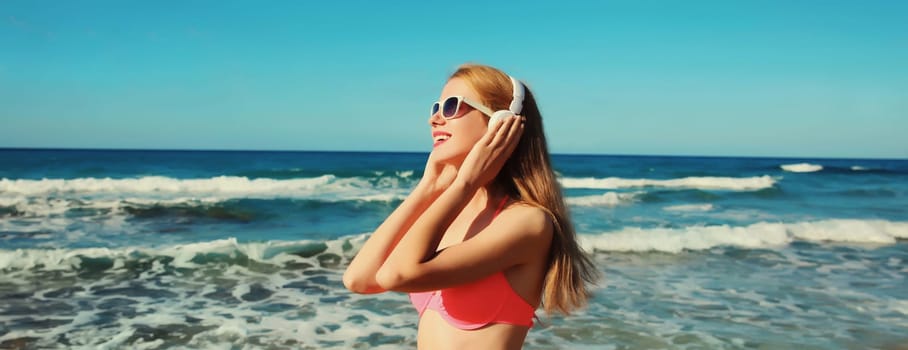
(527,219)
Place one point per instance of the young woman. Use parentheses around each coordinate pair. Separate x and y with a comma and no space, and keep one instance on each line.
(485,236)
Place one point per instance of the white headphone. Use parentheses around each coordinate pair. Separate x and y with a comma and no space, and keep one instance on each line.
(516,103)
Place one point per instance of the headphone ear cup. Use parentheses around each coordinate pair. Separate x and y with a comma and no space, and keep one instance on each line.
(500,115)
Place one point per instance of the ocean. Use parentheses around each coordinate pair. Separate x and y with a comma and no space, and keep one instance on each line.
(108,249)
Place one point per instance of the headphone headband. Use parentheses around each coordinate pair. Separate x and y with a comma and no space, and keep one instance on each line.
(517,98)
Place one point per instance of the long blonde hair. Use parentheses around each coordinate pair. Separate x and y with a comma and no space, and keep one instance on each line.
(528,177)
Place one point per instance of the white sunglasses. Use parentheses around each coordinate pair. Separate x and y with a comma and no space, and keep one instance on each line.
(450,107)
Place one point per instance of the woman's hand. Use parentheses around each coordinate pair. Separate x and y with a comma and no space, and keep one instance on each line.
(437,176)
(415,263)
(490,153)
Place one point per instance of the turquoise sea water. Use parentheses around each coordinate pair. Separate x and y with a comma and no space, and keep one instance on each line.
(177,249)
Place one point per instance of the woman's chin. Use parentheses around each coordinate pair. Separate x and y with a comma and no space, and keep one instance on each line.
(447,156)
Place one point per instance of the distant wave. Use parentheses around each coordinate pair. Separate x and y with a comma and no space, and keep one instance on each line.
(608,199)
(756,236)
(210,189)
(689,207)
(221,186)
(839,169)
(204,197)
(224,187)
(801,167)
(703,183)
(236,210)
(294,173)
(861,169)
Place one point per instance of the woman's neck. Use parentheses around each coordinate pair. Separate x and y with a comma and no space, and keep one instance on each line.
(485,197)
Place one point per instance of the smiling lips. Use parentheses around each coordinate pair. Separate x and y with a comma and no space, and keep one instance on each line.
(440,137)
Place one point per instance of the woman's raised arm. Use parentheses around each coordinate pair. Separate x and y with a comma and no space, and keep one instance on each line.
(360,275)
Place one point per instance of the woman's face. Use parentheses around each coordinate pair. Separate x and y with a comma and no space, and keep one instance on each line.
(454,138)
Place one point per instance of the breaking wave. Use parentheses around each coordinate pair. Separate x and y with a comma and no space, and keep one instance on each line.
(689,207)
(187,256)
(608,199)
(762,235)
(702,183)
(801,167)
(216,188)
(197,197)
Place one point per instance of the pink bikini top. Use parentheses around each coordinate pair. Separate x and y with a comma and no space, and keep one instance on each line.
(477,304)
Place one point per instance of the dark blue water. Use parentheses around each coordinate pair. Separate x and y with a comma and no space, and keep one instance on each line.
(175,249)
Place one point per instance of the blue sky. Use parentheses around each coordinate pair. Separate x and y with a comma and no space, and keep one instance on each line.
(733,78)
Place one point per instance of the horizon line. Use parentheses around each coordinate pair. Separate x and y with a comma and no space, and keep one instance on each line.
(3,148)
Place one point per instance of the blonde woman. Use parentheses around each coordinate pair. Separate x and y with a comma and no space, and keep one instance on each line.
(485,236)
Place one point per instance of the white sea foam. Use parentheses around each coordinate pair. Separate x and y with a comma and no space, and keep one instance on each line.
(302,317)
(54,197)
(859,168)
(689,207)
(158,186)
(272,252)
(705,183)
(758,235)
(608,199)
(801,167)
(48,197)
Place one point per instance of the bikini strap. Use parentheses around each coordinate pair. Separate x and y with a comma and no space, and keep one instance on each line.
(500,206)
